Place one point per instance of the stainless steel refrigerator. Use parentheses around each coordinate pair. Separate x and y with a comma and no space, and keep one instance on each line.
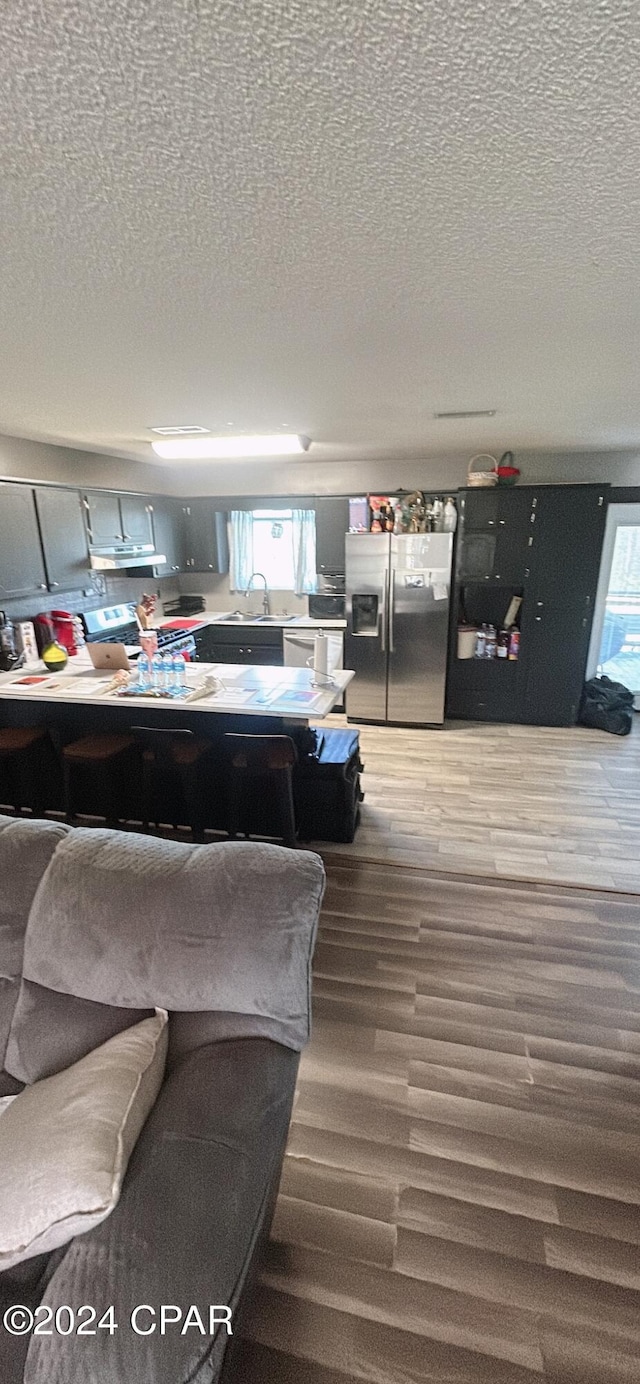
(398,591)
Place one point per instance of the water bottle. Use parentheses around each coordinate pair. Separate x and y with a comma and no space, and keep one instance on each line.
(178,672)
(167,672)
(157,672)
(144,673)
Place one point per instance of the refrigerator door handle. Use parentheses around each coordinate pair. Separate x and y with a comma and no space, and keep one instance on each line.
(392,597)
(383,611)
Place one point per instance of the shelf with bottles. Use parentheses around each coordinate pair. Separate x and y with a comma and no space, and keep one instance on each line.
(403,512)
(488,627)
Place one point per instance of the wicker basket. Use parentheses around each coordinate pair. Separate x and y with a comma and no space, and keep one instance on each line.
(478,478)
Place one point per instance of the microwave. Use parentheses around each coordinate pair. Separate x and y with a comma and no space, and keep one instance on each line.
(325,607)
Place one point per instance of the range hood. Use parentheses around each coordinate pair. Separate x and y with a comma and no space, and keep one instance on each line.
(121,556)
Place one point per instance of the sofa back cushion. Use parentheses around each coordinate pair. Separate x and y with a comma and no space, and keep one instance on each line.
(133,922)
(50,1031)
(26,847)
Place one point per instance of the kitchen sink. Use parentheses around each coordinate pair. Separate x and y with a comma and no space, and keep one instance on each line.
(238,617)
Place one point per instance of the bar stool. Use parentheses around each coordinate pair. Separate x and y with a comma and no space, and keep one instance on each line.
(26,764)
(262,762)
(113,757)
(172,777)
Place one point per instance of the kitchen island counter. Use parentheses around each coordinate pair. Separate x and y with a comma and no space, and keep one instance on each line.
(245,690)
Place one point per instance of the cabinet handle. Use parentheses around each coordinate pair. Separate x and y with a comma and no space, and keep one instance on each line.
(210,566)
(497,576)
(42,586)
(540,604)
(54,585)
(538,618)
(531,541)
(503,521)
(490,523)
(526,572)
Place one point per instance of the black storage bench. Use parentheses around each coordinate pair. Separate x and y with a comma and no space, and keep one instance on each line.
(326,787)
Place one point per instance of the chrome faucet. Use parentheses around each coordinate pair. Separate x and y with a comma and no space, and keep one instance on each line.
(265,598)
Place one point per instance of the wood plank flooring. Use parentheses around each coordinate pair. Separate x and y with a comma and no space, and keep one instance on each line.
(526,802)
(460,1202)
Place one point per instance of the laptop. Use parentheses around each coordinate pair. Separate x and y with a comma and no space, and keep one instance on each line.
(109,656)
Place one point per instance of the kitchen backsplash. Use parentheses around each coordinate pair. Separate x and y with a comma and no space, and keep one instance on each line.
(107,589)
(217,595)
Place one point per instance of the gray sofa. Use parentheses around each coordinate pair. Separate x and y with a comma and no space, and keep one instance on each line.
(96,928)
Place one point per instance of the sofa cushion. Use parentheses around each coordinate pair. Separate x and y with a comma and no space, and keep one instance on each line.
(133,921)
(65,1142)
(196,1199)
(26,848)
(50,1031)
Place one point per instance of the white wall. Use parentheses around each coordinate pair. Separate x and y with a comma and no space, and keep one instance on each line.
(23,460)
(309,477)
(38,461)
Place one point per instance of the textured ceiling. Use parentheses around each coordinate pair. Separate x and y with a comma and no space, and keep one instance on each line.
(341,215)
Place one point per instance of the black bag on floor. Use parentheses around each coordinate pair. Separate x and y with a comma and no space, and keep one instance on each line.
(607,705)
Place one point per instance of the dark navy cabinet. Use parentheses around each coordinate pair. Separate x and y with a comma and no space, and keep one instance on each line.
(542,543)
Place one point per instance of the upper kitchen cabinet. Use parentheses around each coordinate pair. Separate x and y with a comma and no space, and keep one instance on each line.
(64,538)
(103,518)
(22,571)
(112,518)
(496,535)
(332,522)
(206,545)
(168,533)
(136,519)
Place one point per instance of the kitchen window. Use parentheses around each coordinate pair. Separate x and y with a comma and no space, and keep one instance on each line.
(273,547)
(280,543)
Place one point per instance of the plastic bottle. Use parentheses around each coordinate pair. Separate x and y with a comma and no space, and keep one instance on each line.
(450,516)
(490,642)
(178,678)
(514,643)
(157,672)
(480,642)
(502,646)
(144,672)
(167,671)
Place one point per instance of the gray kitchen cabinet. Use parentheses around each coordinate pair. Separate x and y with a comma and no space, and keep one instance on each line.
(168,532)
(22,571)
(136,519)
(258,644)
(64,538)
(112,518)
(332,522)
(206,545)
(103,518)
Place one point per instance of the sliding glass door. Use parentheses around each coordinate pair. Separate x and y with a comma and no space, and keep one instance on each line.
(615,636)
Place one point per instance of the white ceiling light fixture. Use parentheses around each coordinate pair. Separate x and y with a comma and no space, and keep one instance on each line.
(185,430)
(225,448)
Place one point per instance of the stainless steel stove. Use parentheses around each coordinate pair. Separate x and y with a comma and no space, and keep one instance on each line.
(118,624)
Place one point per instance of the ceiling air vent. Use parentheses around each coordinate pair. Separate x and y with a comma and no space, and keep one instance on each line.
(468,413)
(187,430)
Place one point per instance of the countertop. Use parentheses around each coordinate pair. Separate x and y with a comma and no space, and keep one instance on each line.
(245,689)
(216,617)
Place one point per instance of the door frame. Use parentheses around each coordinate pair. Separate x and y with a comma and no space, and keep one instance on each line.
(617,516)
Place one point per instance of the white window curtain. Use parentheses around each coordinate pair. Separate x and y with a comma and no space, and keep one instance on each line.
(241,549)
(304,550)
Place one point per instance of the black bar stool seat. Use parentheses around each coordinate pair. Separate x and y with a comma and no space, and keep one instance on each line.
(26,764)
(95,769)
(173,777)
(261,777)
